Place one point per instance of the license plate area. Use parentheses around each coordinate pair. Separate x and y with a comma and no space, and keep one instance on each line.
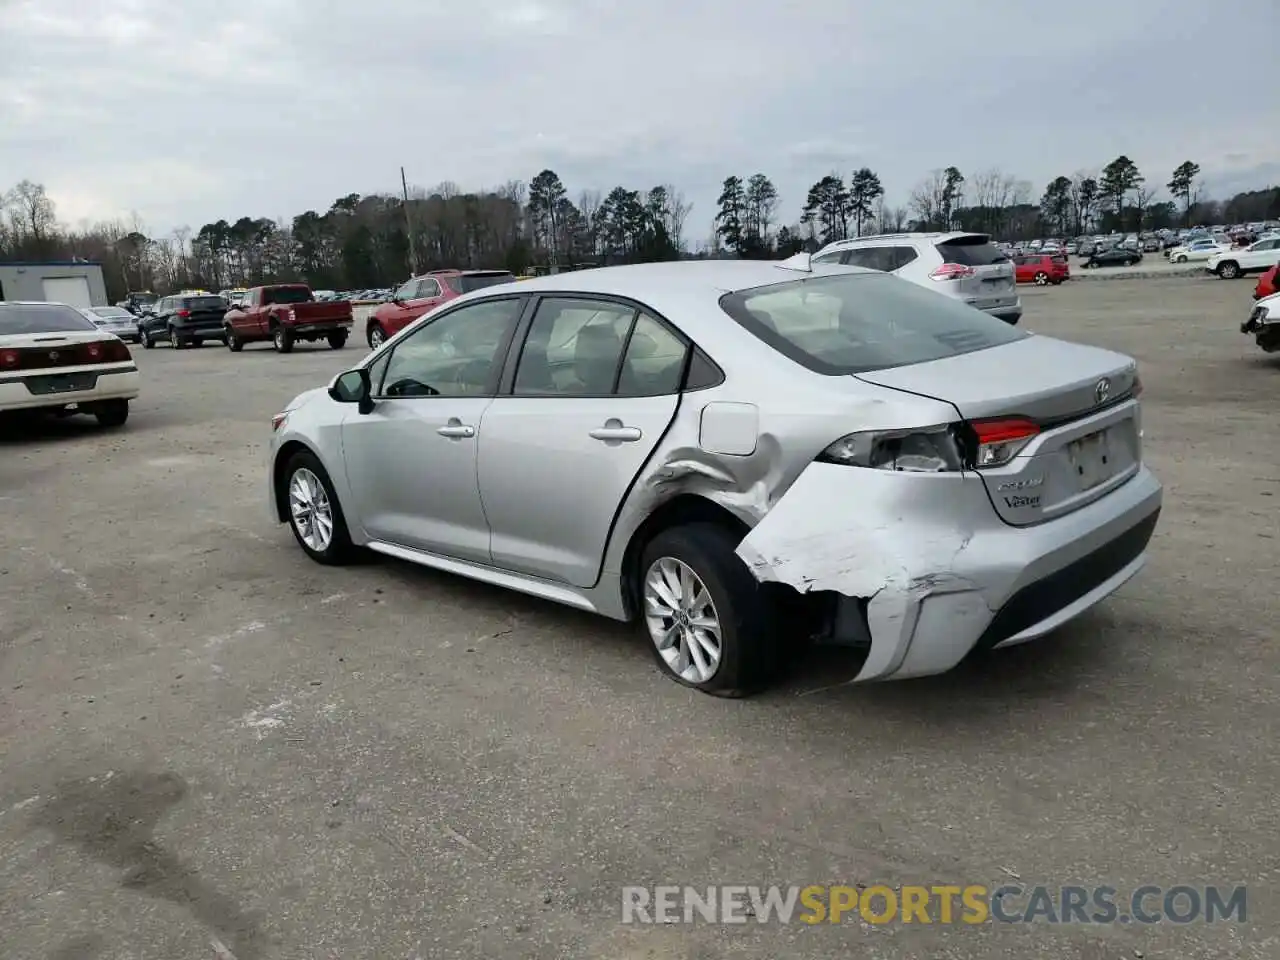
(61,383)
(1092,459)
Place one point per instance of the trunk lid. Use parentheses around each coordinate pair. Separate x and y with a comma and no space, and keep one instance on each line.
(993,279)
(1082,398)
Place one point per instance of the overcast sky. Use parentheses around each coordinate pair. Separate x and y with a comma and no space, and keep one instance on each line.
(188,111)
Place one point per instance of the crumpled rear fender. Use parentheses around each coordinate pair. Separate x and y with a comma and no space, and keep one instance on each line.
(894,540)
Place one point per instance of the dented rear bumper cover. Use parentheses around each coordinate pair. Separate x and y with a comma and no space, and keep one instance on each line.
(939,572)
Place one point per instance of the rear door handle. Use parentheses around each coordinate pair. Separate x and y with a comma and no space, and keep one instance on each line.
(456,430)
(613,430)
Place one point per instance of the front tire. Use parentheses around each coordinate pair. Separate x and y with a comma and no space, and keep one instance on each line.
(1180,260)
(709,622)
(282,340)
(112,413)
(376,337)
(315,515)
(234,343)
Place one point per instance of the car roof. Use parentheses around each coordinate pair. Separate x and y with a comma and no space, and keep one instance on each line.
(936,237)
(655,282)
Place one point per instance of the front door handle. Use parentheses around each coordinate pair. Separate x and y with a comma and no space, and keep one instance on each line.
(456,429)
(614,431)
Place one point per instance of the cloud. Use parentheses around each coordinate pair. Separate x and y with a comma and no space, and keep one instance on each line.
(206,109)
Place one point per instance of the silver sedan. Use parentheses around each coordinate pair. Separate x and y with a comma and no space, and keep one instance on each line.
(115,320)
(740,455)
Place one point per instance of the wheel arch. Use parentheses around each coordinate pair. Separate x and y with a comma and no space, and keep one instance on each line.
(286,453)
(680,510)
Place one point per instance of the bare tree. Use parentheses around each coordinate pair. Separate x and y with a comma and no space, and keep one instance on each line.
(677,213)
(31,212)
(928,197)
(1142,202)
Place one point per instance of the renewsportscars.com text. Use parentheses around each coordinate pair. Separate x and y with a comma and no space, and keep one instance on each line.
(938,903)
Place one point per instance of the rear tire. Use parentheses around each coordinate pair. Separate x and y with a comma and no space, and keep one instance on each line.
(301,469)
(337,340)
(282,339)
(750,649)
(112,413)
(1229,270)
(176,341)
(146,341)
(1042,279)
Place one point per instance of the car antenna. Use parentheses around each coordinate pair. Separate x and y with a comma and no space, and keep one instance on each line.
(801,261)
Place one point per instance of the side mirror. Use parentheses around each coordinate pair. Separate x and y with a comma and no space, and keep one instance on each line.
(355,387)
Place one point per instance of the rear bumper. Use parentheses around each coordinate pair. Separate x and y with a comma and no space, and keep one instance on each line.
(946,576)
(119,384)
(323,328)
(210,329)
(1010,315)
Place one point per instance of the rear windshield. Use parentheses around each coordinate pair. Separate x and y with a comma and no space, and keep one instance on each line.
(287,295)
(41,318)
(112,313)
(204,303)
(971,252)
(853,323)
(478,281)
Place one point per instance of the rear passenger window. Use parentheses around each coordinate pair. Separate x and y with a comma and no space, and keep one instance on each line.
(899,257)
(573,349)
(829,258)
(654,361)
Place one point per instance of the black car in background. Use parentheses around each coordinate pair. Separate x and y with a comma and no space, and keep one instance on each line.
(184,320)
(1113,257)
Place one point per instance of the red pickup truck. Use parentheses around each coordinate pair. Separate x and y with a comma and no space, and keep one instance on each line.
(285,313)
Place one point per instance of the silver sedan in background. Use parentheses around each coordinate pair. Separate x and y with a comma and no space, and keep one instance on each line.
(740,455)
(115,320)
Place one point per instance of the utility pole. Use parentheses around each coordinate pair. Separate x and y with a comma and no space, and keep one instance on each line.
(408,226)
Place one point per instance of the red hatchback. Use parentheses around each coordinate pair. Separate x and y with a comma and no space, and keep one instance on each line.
(425,293)
(1268,283)
(1041,269)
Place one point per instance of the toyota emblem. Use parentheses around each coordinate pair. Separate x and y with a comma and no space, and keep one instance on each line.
(1102,391)
(53,354)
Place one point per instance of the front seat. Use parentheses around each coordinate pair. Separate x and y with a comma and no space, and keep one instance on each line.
(595,358)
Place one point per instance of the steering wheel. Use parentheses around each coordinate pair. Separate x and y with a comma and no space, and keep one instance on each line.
(408,387)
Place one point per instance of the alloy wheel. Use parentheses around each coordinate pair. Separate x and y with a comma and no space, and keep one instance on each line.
(682,620)
(311,510)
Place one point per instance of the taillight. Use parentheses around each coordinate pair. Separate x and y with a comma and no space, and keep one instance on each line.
(926,450)
(9,359)
(1135,391)
(952,271)
(184,313)
(999,440)
(95,351)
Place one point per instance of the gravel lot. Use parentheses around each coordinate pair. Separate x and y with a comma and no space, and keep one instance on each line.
(208,743)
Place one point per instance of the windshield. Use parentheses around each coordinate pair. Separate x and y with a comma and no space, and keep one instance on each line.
(41,318)
(853,323)
(478,281)
(287,295)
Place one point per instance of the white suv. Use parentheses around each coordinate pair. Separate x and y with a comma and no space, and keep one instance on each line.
(1258,258)
(967,266)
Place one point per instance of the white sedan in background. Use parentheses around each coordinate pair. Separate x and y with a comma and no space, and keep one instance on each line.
(1201,249)
(115,320)
(55,360)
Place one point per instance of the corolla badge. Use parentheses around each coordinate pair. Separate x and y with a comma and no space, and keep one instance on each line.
(1102,390)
